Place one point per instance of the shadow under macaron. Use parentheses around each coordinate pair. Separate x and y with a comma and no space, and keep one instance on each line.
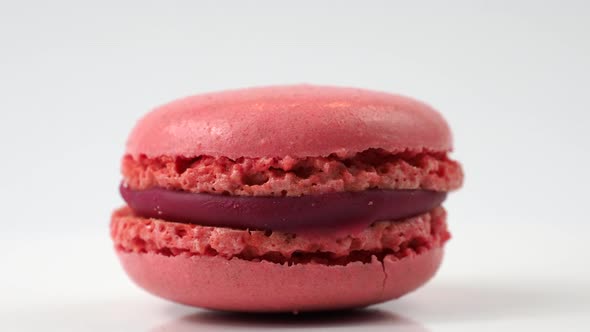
(206,320)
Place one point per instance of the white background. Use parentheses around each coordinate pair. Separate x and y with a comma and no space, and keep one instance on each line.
(511,77)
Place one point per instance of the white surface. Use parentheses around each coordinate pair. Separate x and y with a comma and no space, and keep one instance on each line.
(511,77)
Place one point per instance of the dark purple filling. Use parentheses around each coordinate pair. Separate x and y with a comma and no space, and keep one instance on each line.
(351,211)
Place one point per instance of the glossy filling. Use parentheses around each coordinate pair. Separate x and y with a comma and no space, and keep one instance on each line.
(348,212)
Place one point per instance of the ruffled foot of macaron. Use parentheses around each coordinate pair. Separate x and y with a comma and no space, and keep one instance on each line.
(285,199)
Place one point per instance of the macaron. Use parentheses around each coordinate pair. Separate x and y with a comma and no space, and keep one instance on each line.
(285,198)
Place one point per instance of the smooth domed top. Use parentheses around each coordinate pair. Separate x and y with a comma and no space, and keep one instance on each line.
(296,121)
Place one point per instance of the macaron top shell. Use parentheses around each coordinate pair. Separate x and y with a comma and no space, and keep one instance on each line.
(296,121)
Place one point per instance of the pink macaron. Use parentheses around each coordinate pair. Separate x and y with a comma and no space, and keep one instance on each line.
(286,198)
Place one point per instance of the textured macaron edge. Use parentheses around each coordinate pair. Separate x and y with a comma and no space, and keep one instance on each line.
(294,177)
(401,238)
(291,120)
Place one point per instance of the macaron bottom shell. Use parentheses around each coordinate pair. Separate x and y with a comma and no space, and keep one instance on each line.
(254,271)
(246,286)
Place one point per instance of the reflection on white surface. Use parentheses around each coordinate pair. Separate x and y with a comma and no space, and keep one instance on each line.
(370,318)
